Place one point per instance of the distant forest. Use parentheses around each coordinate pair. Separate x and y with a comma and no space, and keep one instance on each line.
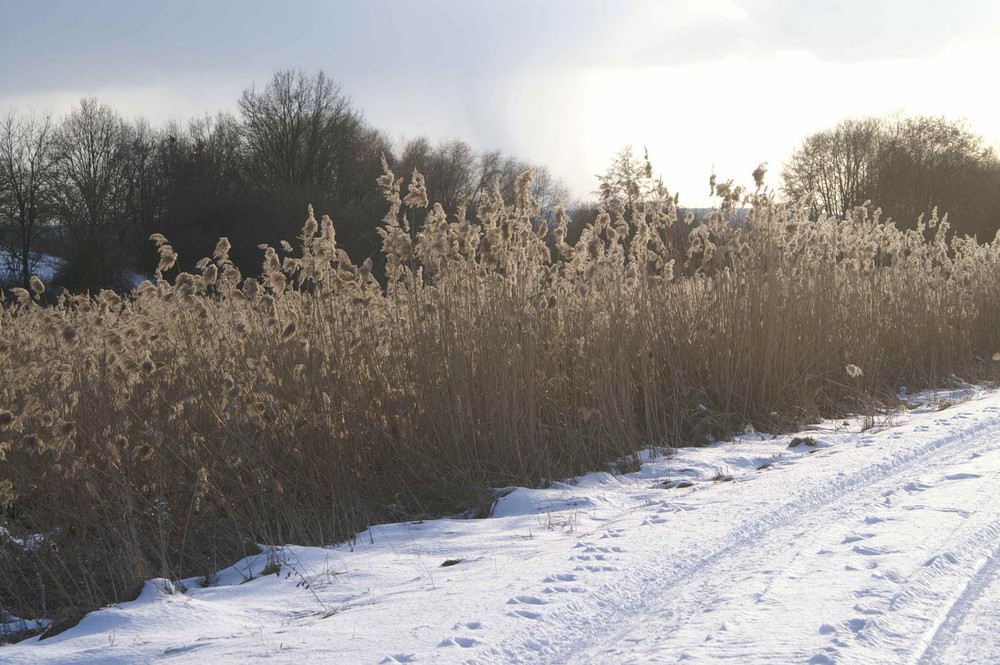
(92,187)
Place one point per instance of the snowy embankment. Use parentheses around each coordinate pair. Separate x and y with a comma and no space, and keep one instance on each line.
(876,546)
(46,268)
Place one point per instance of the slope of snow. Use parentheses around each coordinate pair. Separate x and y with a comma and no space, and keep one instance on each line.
(849,547)
(46,267)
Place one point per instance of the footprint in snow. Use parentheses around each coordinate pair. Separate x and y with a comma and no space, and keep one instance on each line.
(525,614)
(596,569)
(822,659)
(916,486)
(464,642)
(536,645)
(560,577)
(962,476)
(872,550)
(891,576)
(173,651)
(527,600)
(613,533)
(564,589)
(673,507)
(856,537)
(399,658)
(588,548)
(470,625)
(867,610)
(947,556)
(857,624)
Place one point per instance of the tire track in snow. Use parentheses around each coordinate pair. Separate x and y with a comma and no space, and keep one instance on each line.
(964,605)
(905,611)
(580,629)
(893,612)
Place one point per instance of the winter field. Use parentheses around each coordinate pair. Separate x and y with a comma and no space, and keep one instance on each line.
(858,541)
(168,432)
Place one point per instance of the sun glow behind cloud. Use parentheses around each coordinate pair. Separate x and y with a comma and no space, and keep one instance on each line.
(731,114)
(701,83)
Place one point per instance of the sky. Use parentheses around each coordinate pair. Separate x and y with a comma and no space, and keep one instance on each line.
(702,84)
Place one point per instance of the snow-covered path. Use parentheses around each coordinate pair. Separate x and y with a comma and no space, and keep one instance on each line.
(850,547)
(860,567)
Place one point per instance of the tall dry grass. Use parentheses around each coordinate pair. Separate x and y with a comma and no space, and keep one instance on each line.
(164,434)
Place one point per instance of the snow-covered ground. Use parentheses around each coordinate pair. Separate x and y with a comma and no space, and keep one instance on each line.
(876,546)
(46,267)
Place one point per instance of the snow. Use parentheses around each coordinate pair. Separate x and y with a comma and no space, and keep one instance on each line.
(851,546)
(46,267)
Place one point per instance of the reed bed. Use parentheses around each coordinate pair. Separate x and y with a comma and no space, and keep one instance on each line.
(166,433)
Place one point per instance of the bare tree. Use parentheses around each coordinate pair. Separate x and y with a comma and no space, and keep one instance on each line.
(451,173)
(27,170)
(906,166)
(94,179)
(628,182)
(457,174)
(548,191)
(928,162)
(358,207)
(297,130)
(836,169)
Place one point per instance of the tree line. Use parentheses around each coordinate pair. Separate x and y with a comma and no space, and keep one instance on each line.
(907,166)
(93,186)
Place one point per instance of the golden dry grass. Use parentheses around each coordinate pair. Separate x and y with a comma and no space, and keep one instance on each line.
(165,433)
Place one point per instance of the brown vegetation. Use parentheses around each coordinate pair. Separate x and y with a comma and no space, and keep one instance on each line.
(165,433)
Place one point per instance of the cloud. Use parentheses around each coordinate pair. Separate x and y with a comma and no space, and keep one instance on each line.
(177,99)
(566,83)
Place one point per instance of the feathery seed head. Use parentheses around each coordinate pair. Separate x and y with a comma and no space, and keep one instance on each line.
(37,286)
(222,248)
(417,198)
(758,175)
(250,288)
(310,227)
(22,295)
(277,281)
(211,274)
